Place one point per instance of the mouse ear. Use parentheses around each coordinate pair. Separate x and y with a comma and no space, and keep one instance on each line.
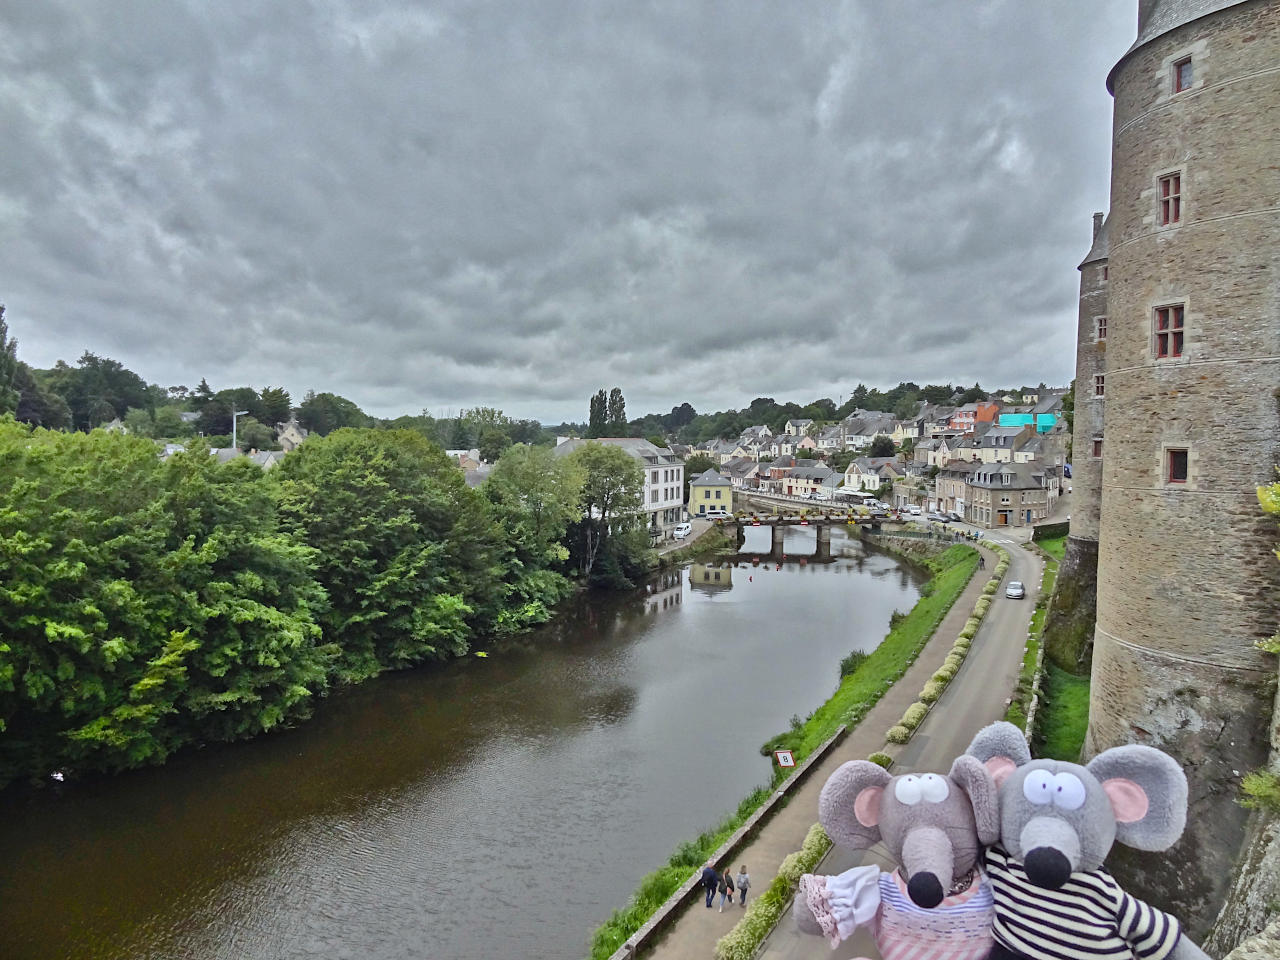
(849,805)
(1148,794)
(984,796)
(1001,748)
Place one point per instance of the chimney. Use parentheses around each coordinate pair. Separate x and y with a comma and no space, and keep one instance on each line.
(1097,224)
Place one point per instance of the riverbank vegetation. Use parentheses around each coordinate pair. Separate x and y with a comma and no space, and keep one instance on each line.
(151,604)
(858,691)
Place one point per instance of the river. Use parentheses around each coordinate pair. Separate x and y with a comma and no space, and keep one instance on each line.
(496,807)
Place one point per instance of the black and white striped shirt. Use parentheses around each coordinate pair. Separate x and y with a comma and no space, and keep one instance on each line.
(1088,918)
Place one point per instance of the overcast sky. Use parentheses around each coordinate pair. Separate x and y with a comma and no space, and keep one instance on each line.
(447,204)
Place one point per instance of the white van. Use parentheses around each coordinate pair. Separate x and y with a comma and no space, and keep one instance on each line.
(682,530)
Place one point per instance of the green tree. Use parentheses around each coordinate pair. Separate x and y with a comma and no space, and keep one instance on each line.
(907,407)
(492,441)
(409,556)
(538,495)
(611,490)
(37,406)
(139,422)
(323,413)
(274,406)
(252,435)
(617,412)
(881,446)
(169,423)
(598,420)
(8,368)
(202,394)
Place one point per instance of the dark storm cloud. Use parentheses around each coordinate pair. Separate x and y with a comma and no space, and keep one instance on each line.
(438,205)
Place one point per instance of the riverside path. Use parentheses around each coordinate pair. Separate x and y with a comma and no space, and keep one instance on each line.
(978,695)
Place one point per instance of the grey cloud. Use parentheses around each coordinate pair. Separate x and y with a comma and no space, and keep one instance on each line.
(438,205)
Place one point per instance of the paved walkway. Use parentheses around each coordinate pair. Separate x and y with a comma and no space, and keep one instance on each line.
(699,528)
(976,696)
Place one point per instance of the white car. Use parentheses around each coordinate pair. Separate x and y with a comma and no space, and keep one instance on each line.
(913,510)
(717,513)
(682,530)
(1015,590)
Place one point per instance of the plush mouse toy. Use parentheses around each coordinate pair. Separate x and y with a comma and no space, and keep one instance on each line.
(1058,821)
(937,905)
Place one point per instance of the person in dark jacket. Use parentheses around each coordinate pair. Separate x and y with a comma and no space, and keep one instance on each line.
(710,880)
(726,888)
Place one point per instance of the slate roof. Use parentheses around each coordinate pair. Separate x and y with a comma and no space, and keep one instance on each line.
(1158,17)
(710,478)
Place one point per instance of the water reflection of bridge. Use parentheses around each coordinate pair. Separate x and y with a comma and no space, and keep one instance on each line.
(778,551)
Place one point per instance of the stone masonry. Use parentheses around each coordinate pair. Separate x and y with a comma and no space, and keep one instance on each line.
(1187,581)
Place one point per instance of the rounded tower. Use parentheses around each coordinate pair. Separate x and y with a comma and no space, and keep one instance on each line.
(1068,630)
(1187,577)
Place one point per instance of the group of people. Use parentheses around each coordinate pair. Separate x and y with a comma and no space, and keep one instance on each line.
(725,884)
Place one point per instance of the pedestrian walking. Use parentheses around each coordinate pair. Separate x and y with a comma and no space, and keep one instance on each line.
(743,882)
(726,888)
(710,880)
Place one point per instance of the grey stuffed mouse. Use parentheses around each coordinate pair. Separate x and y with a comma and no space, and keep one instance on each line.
(937,905)
(1058,821)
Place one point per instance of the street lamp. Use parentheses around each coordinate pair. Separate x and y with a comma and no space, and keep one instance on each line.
(234,414)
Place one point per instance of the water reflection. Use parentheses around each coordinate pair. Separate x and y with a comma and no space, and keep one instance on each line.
(463,811)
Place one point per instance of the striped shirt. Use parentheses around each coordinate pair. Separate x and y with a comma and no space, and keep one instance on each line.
(1088,918)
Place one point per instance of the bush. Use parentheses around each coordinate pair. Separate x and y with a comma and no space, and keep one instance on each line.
(914,716)
(852,662)
(980,608)
(1261,790)
(1001,568)
(932,691)
(966,634)
(896,618)
(960,646)
(988,588)
(898,735)
(881,759)
(972,624)
(944,674)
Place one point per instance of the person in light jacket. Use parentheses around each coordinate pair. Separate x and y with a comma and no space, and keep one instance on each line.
(743,881)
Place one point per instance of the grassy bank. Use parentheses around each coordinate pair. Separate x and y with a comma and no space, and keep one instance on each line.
(1063,715)
(1057,546)
(857,693)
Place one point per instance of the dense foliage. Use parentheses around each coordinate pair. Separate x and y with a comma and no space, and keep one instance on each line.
(149,604)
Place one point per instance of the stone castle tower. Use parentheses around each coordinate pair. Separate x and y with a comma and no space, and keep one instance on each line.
(1178,421)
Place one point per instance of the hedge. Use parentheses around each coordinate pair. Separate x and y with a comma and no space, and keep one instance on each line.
(898,735)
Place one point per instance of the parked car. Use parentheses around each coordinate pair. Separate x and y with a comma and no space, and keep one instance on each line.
(940,517)
(682,530)
(1015,590)
(913,510)
(717,513)
(957,517)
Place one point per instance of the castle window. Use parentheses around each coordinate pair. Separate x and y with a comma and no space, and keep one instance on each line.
(1168,330)
(1177,466)
(1097,448)
(1102,328)
(1105,272)
(1099,385)
(1182,76)
(1170,199)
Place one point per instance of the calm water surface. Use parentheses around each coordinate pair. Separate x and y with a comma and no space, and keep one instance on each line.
(497,807)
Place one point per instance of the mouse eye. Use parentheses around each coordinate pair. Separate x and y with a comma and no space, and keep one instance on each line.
(1039,787)
(908,790)
(933,789)
(1067,791)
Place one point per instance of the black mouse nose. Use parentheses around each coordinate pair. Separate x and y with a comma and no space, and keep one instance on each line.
(1047,867)
(925,890)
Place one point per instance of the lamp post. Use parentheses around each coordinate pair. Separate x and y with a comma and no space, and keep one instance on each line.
(234,414)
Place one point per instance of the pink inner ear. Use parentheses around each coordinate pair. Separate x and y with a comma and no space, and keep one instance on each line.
(867,806)
(1000,768)
(1128,800)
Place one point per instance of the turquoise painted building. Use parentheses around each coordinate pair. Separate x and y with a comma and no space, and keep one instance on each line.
(1044,421)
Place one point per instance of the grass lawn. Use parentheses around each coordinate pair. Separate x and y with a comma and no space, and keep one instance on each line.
(1063,715)
(1056,546)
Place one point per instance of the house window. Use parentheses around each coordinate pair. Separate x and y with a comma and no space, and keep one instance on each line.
(1099,385)
(653,496)
(1177,466)
(1182,75)
(655,476)
(717,494)
(1101,328)
(1168,324)
(1170,199)
(1097,448)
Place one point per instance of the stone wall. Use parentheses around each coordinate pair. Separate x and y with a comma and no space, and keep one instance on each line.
(1069,622)
(1186,578)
